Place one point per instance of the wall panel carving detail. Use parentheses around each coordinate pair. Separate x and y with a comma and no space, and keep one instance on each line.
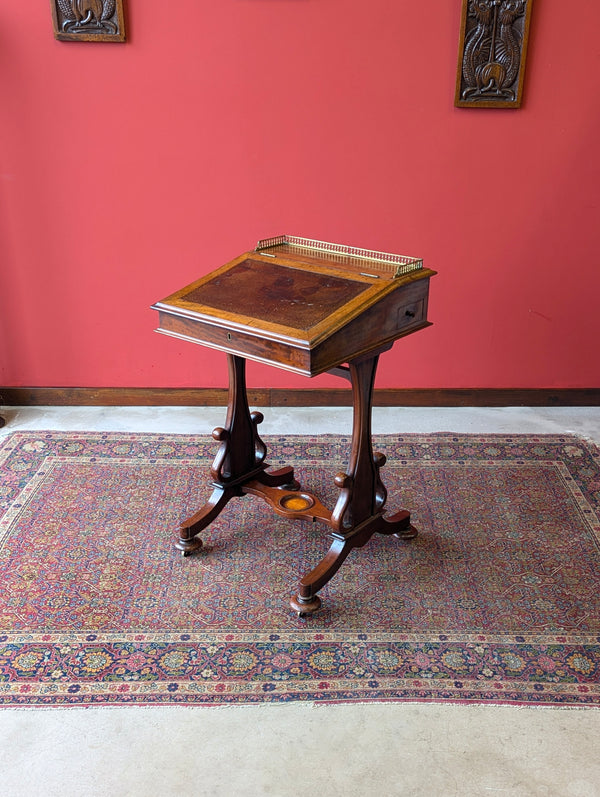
(493,46)
(88,20)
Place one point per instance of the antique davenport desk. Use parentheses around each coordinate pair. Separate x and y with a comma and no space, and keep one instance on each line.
(308,307)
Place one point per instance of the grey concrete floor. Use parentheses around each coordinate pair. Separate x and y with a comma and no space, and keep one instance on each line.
(365,749)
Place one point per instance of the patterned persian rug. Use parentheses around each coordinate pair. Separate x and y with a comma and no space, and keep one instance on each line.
(496,601)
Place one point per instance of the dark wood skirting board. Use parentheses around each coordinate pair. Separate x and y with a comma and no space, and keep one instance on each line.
(279,397)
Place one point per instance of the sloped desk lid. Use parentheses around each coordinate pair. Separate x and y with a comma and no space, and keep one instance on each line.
(288,291)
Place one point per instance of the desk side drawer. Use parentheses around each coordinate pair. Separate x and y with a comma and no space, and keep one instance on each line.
(400,313)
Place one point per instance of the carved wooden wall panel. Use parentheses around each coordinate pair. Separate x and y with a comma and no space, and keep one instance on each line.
(493,46)
(88,20)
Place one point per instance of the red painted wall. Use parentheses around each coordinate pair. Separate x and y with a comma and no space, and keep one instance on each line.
(128,170)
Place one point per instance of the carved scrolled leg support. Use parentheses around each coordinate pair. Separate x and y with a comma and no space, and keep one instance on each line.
(240,459)
(240,469)
(242,451)
(363,493)
(359,511)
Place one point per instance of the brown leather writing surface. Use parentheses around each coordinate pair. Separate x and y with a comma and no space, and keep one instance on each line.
(276,293)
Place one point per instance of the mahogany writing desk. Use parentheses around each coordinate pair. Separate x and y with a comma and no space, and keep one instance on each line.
(308,307)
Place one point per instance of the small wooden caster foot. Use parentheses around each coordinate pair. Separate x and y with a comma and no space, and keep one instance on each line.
(186,547)
(303,606)
(407,534)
